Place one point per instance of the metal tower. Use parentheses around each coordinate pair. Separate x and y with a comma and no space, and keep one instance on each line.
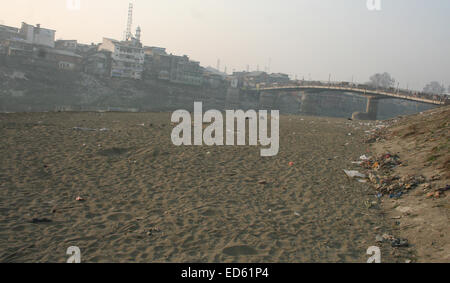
(129,23)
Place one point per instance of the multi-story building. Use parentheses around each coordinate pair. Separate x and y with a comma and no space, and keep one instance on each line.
(69,45)
(176,69)
(185,71)
(7,32)
(16,47)
(98,63)
(127,59)
(38,35)
(65,60)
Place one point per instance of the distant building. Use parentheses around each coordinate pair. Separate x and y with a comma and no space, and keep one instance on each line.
(176,69)
(85,49)
(152,50)
(76,47)
(7,32)
(38,35)
(258,78)
(16,47)
(127,58)
(64,60)
(279,78)
(98,63)
(70,45)
(185,71)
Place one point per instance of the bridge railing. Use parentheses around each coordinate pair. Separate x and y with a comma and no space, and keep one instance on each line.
(366,89)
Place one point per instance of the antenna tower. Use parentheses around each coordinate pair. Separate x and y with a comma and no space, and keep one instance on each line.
(129,22)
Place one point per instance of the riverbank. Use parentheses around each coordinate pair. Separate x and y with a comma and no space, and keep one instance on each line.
(422,143)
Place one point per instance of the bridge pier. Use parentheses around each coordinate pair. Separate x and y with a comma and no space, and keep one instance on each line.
(371,110)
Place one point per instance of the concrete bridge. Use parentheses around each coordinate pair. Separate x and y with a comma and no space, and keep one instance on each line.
(373,96)
(382,94)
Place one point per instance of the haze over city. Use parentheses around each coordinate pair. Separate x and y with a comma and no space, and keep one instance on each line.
(312,39)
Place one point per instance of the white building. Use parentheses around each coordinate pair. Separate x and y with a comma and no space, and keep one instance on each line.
(127,59)
(37,35)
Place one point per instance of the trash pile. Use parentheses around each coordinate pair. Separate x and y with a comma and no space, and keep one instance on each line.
(395,186)
(383,163)
(379,133)
(380,175)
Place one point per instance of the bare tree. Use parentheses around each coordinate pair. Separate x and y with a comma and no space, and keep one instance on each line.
(382,80)
(434,88)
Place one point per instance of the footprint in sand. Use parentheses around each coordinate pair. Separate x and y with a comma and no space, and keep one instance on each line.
(239,250)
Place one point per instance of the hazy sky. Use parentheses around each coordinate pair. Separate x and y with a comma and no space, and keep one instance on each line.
(408,38)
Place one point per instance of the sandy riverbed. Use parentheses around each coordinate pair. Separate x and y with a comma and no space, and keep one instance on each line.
(147,200)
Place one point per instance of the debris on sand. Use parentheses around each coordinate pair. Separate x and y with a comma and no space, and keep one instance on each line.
(353,174)
(380,175)
(89,129)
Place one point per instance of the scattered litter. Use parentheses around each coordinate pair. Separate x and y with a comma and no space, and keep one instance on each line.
(296,214)
(364,157)
(353,174)
(79,198)
(262,182)
(291,164)
(362,180)
(89,129)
